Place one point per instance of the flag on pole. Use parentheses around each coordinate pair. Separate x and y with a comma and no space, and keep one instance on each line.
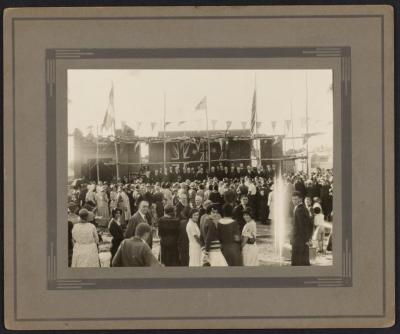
(228,125)
(181,123)
(109,119)
(253,114)
(202,105)
(244,123)
(167,123)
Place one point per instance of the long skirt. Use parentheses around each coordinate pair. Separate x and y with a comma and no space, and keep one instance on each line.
(250,255)
(217,259)
(169,255)
(194,255)
(85,256)
(300,255)
(102,210)
(232,254)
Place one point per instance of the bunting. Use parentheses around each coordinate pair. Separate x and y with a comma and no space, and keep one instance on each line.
(181,123)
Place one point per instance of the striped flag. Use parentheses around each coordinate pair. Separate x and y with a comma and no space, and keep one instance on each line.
(253,114)
(109,119)
(202,105)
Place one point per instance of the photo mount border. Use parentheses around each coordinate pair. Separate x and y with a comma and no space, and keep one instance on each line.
(16,318)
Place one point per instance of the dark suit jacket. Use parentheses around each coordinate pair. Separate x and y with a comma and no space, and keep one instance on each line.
(302,226)
(134,252)
(134,221)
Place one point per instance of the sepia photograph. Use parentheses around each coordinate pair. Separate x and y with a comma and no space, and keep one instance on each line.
(200,168)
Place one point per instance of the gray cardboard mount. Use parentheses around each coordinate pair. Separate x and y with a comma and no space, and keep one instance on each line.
(40,45)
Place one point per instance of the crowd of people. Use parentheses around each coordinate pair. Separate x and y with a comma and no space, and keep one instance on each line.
(201,219)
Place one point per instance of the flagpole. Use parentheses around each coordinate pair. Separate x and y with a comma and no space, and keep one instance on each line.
(256,141)
(307,166)
(165,144)
(291,121)
(208,139)
(97,154)
(115,137)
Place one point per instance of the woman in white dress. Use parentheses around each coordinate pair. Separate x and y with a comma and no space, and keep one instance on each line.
(113,197)
(249,235)
(85,238)
(102,203)
(193,233)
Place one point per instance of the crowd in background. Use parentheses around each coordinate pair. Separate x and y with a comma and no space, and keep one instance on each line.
(200,218)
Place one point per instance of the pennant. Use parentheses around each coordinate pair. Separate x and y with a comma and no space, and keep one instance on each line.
(181,123)
(305,138)
(167,123)
(109,118)
(273,125)
(244,123)
(202,105)
(288,122)
(213,123)
(153,125)
(228,125)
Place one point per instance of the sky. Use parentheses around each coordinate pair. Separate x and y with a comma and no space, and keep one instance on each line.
(139,97)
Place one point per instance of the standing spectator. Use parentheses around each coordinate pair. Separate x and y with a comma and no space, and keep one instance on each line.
(135,252)
(84,235)
(193,233)
(115,230)
(168,231)
(238,211)
(249,235)
(301,233)
(139,217)
(183,240)
(229,236)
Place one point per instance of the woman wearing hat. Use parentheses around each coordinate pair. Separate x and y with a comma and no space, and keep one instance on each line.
(84,235)
(115,230)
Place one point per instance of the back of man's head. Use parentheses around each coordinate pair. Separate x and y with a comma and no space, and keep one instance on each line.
(142,229)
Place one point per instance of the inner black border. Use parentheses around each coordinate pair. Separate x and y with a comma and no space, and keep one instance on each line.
(292,17)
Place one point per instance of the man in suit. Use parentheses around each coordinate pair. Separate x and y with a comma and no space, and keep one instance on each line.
(139,217)
(238,211)
(301,232)
(135,252)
